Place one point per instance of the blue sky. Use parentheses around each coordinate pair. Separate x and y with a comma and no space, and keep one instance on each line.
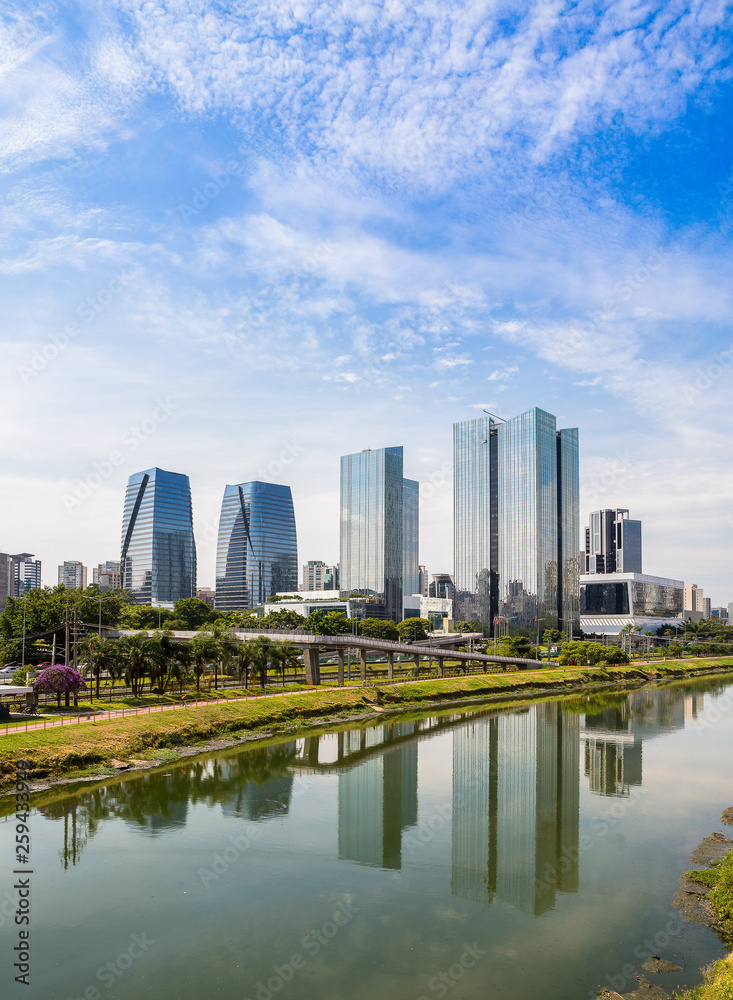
(242,239)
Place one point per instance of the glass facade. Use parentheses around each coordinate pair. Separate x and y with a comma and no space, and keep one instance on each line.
(373,534)
(637,595)
(257,550)
(158,548)
(411,535)
(516,521)
(475,535)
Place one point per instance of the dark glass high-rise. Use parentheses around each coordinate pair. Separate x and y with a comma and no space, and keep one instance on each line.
(158,549)
(257,549)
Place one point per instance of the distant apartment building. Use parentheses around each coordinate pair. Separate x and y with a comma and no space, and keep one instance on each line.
(695,601)
(707,607)
(107,575)
(73,575)
(612,543)
(730,613)
(26,573)
(318,575)
(720,613)
(207,595)
(423,581)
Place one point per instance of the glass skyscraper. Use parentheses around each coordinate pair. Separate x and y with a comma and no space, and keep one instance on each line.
(379,528)
(257,550)
(158,549)
(411,537)
(516,518)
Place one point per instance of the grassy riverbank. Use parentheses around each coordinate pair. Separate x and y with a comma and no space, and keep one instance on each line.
(718,983)
(85,748)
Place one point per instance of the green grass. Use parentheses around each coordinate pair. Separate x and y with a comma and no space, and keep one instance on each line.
(718,984)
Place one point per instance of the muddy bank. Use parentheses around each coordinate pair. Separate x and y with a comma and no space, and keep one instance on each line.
(711,856)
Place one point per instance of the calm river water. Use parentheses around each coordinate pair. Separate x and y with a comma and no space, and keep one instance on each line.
(520,854)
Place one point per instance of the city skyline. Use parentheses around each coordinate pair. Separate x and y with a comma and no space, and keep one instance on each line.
(437,482)
(192,268)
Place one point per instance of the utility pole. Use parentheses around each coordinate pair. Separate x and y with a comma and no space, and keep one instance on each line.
(66,647)
(53,651)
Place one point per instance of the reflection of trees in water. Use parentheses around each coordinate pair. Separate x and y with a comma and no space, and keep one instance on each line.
(156,802)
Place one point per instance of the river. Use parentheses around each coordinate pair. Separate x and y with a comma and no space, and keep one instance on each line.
(521,853)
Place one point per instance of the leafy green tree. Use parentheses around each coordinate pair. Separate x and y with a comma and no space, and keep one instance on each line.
(378,628)
(285,620)
(413,629)
(321,622)
(45,614)
(551,635)
(194,612)
(580,653)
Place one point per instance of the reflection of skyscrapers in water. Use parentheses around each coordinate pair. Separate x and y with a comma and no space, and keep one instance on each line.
(377,801)
(613,737)
(516,790)
(612,752)
(264,800)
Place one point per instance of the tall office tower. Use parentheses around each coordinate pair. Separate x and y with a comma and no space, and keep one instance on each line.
(107,575)
(72,575)
(7,585)
(516,520)
(612,543)
(26,573)
(318,575)
(257,550)
(379,528)
(158,561)
(411,537)
(475,520)
(422,581)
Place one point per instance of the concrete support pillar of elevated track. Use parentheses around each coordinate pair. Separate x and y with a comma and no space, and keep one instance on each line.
(312,659)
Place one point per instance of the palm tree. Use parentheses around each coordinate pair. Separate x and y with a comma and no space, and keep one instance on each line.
(163,648)
(284,655)
(262,654)
(228,644)
(140,658)
(246,658)
(205,648)
(106,657)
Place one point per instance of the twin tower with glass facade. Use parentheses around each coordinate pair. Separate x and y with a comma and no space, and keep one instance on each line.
(256,554)
(516,521)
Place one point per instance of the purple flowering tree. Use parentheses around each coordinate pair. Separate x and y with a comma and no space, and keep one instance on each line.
(59,680)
